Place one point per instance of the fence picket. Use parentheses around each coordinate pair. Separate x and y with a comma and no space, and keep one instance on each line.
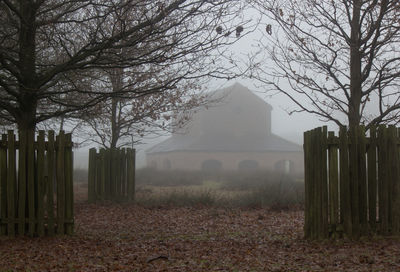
(11,184)
(345,189)
(354,183)
(392,160)
(356,187)
(60,141)
(131,171)
(324,182)
(111,175)
(362,175)
(27,203)
(316,185)
(40,183)
(382,180)
(372,179)
(92,175)
(3,183)
(118,167)
(69,187)
(123,173)
(103,176)
(31,182)
(50,156)
(22,175)
(333,183)
(396,183)
(308,189)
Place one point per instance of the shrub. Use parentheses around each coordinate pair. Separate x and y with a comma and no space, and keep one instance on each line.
(177,198)
(250,179)
(256,188)
(149,176)
(279,194)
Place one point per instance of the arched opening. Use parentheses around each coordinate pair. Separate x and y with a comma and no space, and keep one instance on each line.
(153,164)
(167,164)
(248,165)
(211,165)
(284,166)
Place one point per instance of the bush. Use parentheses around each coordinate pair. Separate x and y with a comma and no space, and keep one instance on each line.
(149,176)
(280,194)
(257,188)
(251,179)
(177,198)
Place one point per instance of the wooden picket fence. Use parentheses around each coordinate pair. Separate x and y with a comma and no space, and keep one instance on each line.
(36,190)
(111,175)
(352,182)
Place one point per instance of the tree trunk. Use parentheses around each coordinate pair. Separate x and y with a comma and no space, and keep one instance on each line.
(26,115)
(114,124)
(116,76)
(354,116)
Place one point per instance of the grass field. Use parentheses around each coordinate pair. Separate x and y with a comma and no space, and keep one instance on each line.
(227,189)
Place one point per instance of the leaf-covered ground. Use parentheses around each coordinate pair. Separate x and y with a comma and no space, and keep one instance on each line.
(112,237)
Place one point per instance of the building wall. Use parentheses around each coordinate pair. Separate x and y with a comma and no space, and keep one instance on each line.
(229,160)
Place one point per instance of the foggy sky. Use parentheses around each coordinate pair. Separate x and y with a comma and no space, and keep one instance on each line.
(290,127)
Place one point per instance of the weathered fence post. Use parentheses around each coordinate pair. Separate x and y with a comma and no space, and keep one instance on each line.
(11,181)
(111,175)
(22,181)
(396,182)
(26,184)
(345,191)
(69,186)
(131,173)
(372,179)
(307,184)
(50,181)
(92,175)
(369,181)
(40,182)
(3,183)
(333,183)
(362,174)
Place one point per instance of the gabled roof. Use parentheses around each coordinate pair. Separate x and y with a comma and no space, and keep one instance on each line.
(239,91)
(177,143)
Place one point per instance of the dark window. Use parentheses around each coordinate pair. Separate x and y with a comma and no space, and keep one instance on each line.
(211,165)
(248,165)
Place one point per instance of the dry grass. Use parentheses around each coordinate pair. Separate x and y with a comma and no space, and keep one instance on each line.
(228,189)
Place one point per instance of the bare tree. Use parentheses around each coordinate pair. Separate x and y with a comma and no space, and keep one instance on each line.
(52,53)
(119,122)
(339,60)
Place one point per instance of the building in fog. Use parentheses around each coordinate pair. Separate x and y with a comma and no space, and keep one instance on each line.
(235,134)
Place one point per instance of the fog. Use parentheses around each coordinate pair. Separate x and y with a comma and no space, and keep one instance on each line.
(290,127)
